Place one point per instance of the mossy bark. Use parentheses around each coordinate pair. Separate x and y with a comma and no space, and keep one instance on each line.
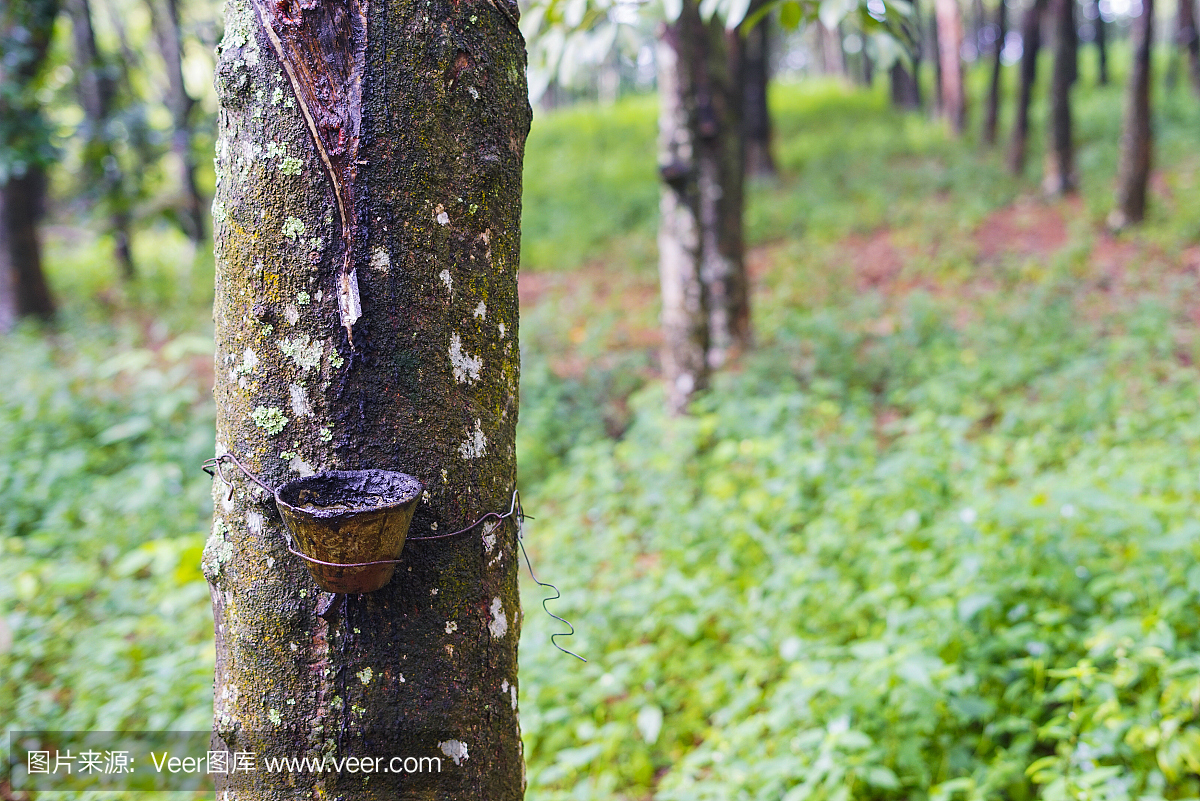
(427,666)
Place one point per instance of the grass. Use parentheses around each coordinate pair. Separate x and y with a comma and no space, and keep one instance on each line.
(932,539)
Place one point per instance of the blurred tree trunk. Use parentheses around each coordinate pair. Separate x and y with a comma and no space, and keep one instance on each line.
(993,101)
(1101,46)
(180,103)
(1059,177)
(756,115)
(936,47)
(26,27)
(96,93)
(1133,171)
(906,92)
(1189,42)
(403,149)
(1031,42)
(706,312)
(950,42)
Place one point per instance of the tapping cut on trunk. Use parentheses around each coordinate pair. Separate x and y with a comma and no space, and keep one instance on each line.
(322,46)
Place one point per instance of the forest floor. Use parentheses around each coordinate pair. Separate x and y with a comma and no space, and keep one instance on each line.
(934,537)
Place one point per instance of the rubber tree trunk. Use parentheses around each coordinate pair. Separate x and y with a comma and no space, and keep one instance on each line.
(993,101)
(1101,46)
(706,312)
(1031,42)
(96,94)
(1189,42)
(25,32)
(950,41)
(1137,140)
(393,133)
(756,115)
(1059,176)
(170,47)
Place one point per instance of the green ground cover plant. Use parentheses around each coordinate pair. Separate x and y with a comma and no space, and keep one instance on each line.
(933,539)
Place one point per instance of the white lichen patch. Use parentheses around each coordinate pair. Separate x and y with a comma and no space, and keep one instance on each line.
(291,314)
(440,215)
(300,467)
(249,362)
(300,404)
(489,539)
(269,419)
(481,311)
(501,327)
(513,692)
(466,367)
(456,750)
(255,522)
(365,675)
(275,717)
(305,353)
(293,228)
(475,445)
(499,625)
(451,626)
(380,260)
(448,280)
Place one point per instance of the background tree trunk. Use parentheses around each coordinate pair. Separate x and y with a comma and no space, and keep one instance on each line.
(1189,43)
(993,101)
(1133,171)
(722,197)
(1031,41)
(906,92)
(936,47)
(950,41)
(23,289)
(25,32)
(1059,176)
(684,294)
(1101,46)
(170,46)
(426,168)
(756,115)
(96,93)
(706,311)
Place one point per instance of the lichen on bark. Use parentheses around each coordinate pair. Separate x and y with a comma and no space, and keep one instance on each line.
(437,194)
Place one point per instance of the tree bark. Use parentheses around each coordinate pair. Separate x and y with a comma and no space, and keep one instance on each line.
(96,94)
(1189,42)
(180,103)
(993,101)
(950,41)
(1059,177)
(369,158)
(1133,171)
(1101,47)
(1031,41)
(756,115)
(25,32)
